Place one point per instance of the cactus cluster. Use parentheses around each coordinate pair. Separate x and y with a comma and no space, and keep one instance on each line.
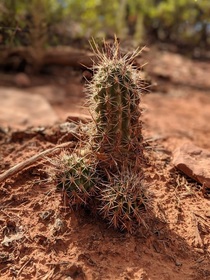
(110,172)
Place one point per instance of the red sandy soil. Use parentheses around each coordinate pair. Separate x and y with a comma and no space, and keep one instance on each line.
(41,238)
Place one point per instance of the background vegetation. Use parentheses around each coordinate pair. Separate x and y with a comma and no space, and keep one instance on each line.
(185,23)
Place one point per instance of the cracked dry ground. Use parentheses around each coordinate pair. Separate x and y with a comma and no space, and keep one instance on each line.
(42,239)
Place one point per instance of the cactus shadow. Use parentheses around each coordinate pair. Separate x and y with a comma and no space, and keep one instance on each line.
(155,252)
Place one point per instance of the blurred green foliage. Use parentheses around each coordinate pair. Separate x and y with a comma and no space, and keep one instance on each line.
(183,22)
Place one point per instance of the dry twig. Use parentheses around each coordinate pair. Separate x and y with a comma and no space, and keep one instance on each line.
(31,160)
(23,266)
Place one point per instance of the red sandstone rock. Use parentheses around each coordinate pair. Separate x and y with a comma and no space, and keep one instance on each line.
(22,109)
(22,80)
(194,162)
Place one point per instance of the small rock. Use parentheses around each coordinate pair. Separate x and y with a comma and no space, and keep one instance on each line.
(22,80)
(22,109)
(58,226)
(194,162)
(45,215)
(68,127)
(77,117)
(13,237)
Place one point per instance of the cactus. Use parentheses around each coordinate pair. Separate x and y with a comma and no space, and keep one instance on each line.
(78,178)
(122,201)
(115,98)
(104,174)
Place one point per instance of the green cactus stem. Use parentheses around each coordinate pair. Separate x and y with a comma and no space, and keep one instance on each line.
(115,98)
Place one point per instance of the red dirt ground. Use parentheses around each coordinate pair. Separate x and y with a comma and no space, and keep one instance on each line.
(41,238)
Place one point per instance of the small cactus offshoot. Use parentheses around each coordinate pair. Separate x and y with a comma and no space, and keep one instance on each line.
(123,200)
(114,104)
(78,178)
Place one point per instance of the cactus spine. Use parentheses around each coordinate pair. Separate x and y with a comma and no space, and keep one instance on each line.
(115,99)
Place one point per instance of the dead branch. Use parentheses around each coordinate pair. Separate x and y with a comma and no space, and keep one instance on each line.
(18,167)
(64,56)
